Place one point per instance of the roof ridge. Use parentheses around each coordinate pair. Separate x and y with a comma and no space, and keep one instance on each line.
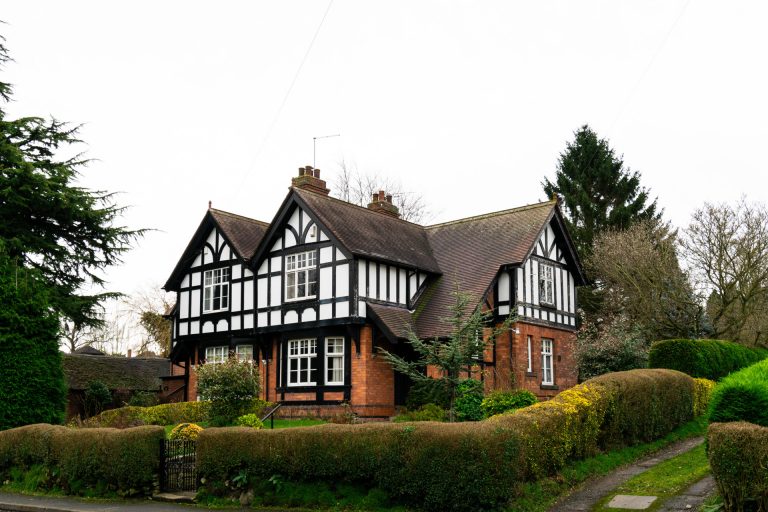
(251,219)
(338,200)
(493,214)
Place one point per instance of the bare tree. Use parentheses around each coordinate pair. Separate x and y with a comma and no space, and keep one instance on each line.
(726,247)
(356,187)
(638,275)
(74,336)
(148,308)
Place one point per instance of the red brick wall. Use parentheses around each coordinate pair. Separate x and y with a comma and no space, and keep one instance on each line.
(373,379)
(564,359)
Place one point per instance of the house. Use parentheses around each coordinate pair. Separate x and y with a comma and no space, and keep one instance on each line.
(310,296)
(123,376)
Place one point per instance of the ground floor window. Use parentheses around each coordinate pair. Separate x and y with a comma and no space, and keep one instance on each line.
(216,355)
(302,362)
(547,370)
(244,353)
(529,339)
(334,361)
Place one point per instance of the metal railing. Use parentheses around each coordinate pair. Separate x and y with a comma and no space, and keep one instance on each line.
(271,416)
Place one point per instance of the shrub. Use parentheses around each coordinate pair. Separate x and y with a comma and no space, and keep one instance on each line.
(702,393)
(231,387)
(97,396)
(185,432)
(427,412)
(249,420)
(469,396)
(738,455)
(429,391)
(710,359)
(498,402)
(613,347)
(456,466)
(742,396)
(143,399)
(93,460)
(164,414)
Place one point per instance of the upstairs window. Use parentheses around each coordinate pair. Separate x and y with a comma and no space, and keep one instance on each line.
(546,284)
(301,276)
(302,362)
(334,361)
(216,355)
(216,290)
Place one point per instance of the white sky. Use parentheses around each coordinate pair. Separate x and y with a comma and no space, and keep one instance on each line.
(466,103)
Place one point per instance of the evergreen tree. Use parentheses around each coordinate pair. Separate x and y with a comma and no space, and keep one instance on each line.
(598,191)
(32,386)
(47,222)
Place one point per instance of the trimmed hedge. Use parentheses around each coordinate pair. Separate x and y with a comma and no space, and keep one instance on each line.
(702,395)
(99,460)
(710,359)
(456,466)
(742,396)
(165,414)
(738,455)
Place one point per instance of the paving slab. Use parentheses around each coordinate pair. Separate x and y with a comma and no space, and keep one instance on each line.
(630,502)
(593,490)
(693,497)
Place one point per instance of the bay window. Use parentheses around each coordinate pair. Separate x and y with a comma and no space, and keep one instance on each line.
(334,361)
(302,362)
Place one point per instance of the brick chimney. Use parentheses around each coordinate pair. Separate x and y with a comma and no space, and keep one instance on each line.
(309,179)
(382,203)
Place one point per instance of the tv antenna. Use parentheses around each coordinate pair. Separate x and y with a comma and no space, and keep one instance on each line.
(314,146)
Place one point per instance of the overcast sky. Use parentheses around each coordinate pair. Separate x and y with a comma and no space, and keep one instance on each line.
(467,103)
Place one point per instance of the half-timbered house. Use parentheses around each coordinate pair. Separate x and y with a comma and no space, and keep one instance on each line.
(309,296)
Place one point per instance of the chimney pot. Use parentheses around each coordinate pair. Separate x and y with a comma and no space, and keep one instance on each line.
(301,171)
(381,195)
(309,179)
(129,352)
(389,198)
(308,170)
(375,197)
(317,173)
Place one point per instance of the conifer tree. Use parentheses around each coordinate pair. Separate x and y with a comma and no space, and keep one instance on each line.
(598,191)
(49,223)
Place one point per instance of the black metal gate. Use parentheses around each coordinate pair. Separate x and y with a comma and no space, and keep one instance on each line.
(178,471)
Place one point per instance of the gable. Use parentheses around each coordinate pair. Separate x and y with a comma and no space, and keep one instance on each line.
(220,236)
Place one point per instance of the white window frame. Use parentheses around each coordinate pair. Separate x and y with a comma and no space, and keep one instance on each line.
(299,350)
(217,354)
(547,362)
(546,284)
(337,358)
(530,354)
(244,353)
(296,268)
(217,278)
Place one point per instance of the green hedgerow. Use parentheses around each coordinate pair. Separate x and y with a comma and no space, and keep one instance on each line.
(742,396)
(710,359)
(427,412)
(498,402)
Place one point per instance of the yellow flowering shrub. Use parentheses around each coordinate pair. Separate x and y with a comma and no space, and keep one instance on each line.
(702,391)
(185,432)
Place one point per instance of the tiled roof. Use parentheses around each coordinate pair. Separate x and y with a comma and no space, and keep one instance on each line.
(471,251)
(395,321)
(370,234)
(244,233)
(115,372)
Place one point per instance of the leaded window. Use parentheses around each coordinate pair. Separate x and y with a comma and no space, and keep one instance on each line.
(301,276)
(216,290)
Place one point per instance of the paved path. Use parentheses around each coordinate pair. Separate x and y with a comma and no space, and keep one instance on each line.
(693,497)
(591,491)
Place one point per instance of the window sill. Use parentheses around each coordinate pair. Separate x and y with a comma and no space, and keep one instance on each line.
(530,374)
(225,310)
(550,387)
(299,299)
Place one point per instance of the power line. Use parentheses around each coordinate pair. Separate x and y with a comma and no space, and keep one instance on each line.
(285,97)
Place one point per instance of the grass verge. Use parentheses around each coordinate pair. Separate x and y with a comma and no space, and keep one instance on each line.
(541,495)
(667,479)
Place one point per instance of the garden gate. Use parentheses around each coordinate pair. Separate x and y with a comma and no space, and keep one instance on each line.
(177,459)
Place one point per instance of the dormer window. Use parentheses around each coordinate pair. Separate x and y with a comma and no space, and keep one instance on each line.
(546,284)
(216,290)
(301,276)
